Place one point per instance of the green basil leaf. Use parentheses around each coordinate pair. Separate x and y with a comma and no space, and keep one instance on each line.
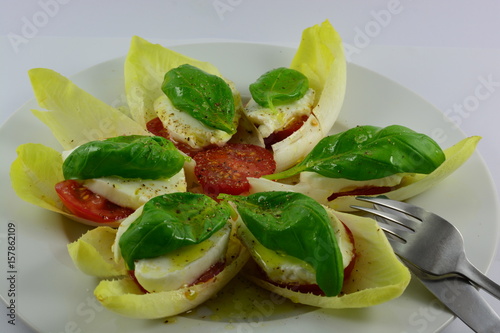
(298,226)
(206,97)
(133,156)
(279,86)
(369,152)
(171,221)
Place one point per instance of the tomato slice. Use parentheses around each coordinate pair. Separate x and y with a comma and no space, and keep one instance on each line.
(155,126)
(286,132)
(86,204)
(225,169)
(212,272)
(365,190)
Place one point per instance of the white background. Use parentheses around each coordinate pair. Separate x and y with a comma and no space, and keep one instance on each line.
(444,51)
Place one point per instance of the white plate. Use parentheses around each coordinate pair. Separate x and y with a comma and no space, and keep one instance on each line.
(53,296)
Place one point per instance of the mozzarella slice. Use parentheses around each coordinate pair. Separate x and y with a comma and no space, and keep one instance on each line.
(335,185)
(178,268)
(282,268)
(183,266)
(269,121)
(182,127)
(134,193)
(320,188)
(115,248)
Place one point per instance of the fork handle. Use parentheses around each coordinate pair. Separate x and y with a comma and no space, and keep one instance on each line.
(475,276)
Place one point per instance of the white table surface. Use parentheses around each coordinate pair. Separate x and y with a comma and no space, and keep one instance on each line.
(442,51)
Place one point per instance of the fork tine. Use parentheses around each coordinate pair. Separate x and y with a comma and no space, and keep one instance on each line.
(400,219)
(393,236)
(403,207)
(397,243)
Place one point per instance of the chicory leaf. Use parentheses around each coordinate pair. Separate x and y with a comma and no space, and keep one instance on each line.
(370,152)
(133,156)
(73,115)
(320,57)
(298,226)
(279,86)
(169,222)
(206,97)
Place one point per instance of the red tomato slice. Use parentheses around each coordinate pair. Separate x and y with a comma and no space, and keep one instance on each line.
(365,190)
(88,205)
(286,132)
(225,169)
(212,272)
(155,126)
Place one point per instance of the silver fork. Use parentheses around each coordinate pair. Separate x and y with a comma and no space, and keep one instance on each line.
(427,241)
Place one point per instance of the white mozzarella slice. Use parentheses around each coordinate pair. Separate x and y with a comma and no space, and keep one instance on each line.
(344,240)
(283,268)
(134,193)
(277,266)
(268,121)
(183,266)
(66,153)
(182,127)
(335,185)
(320,188)
(115,248)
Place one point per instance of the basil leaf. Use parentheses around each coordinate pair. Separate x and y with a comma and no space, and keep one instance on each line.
(206,97)
(133,156)
(298,226)
(279,86)
(169,222)
(369,152)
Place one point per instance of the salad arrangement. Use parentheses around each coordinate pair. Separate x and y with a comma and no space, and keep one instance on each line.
(191,186)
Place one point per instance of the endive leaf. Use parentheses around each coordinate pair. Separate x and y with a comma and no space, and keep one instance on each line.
(320,57)
(92,254)
(34,173)
(74,116)
(145,68)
